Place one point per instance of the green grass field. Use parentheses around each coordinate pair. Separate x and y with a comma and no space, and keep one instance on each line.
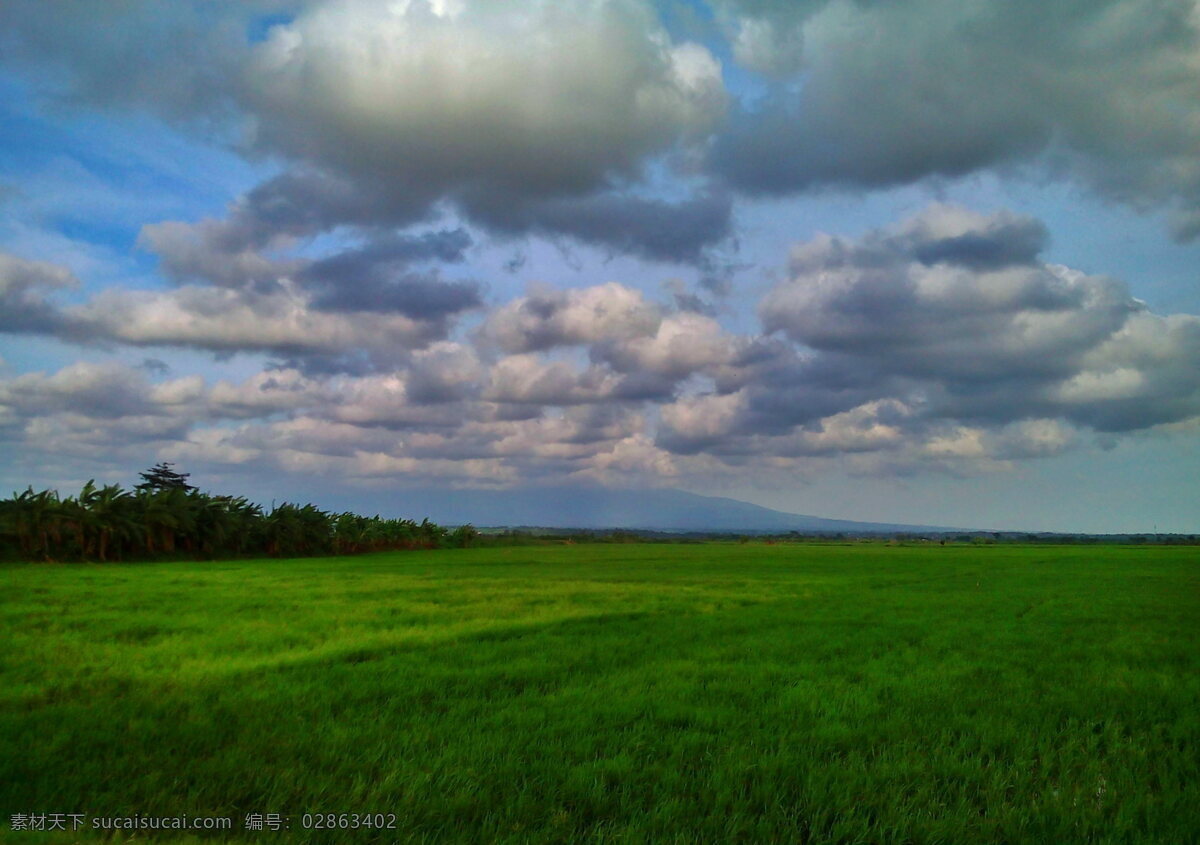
(719,692)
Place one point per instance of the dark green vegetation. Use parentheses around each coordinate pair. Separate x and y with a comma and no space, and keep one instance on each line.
(713,693)
(167,518)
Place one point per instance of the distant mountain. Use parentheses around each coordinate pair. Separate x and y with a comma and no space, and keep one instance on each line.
(597,508)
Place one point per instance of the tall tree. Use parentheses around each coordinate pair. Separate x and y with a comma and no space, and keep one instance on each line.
(161,476)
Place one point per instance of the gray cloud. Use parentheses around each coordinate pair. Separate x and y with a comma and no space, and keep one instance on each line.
(1000,343)
(178,59)
(943,235)
(920,352)
(389,251)
(229,321)
(219,252)
(24,285)
(95,390)
(879,94)
(446,372)
(283,211)
(650,228)
(688,300)
(155,366)
(350,311)
(420,297)
(306,200)
(374,277)
(527,380)
(1147,373)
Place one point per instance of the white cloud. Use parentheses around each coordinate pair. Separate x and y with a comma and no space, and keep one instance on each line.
(682,344)
(548,318)
(228,320)
(533,98)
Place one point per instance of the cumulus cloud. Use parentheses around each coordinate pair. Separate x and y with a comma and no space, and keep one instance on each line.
(237,292)
(527,379)
(530,119)
(99,390)
(943,342)
(241,249)
(680,345)
(619,222)
(879,94)
(538,117)
(229,321)
(376,277)
(1146,373)
(638,350)
(546,117)
(541,99)
(217,252)
(548,318)
(248,249)
(24,285)
(994,341)
(343,313)
(444,372)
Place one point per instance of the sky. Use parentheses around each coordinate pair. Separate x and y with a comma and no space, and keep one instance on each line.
(924,261)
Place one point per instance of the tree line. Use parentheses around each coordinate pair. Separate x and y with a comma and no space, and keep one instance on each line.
(166,517)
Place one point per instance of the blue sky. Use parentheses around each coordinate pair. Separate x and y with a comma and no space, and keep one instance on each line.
(916,262)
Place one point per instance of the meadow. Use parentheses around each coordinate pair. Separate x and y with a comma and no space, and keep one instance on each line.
(713,692)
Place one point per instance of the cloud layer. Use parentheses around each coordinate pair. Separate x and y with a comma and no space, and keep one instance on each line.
(545,116)
(398,147)
(940,343)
